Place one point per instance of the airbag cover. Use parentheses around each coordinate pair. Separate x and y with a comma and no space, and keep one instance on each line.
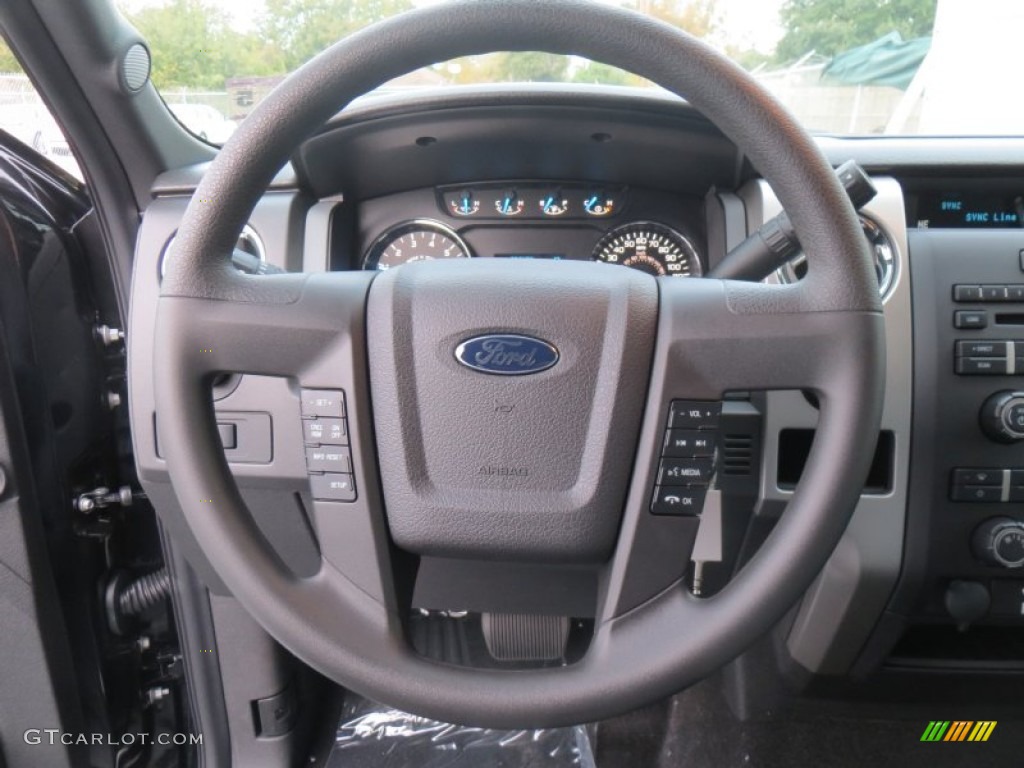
(479,463)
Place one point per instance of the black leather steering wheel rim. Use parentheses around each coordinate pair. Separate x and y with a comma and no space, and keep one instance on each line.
(672,640)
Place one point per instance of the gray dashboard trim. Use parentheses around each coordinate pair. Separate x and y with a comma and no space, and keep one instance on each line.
(184,180)
(840,610)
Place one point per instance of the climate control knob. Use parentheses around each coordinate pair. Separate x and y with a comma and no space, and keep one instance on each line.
(1000,541)
(1002,416)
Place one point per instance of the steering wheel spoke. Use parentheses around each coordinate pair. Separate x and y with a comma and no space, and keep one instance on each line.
(299,322)
(720,336)
(309,329)
(717,338)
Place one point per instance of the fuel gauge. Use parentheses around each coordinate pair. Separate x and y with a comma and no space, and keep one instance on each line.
(554,203)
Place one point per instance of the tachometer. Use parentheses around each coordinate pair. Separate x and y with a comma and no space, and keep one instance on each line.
(651,247)
(419,240)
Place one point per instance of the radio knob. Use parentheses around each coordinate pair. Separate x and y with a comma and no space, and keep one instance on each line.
(1002,416)
(1000,541)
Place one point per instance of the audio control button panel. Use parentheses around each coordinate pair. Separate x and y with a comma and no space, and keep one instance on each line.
(687,463)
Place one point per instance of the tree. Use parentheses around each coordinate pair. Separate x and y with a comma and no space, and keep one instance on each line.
(526,67)
(506,67)
(189,41)
(8,63)
(248,54)
(829,27)
(698,17)
(603,74)
(300,29)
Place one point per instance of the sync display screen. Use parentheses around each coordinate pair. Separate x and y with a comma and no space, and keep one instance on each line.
(956,210)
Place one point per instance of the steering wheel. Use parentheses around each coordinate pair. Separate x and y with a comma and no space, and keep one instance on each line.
(576,467)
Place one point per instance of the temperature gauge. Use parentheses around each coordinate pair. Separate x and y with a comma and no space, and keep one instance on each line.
(554,204)
(509,203)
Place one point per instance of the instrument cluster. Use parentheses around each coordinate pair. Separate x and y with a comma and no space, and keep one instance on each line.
(536,220)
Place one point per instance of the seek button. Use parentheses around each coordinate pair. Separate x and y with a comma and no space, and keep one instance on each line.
(689,442)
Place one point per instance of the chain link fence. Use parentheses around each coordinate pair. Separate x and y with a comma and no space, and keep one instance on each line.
(24,115)
(22,112)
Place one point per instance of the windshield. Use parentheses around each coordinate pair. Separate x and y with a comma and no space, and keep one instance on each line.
(849,67)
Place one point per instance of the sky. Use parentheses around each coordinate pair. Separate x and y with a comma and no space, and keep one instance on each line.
(745,23)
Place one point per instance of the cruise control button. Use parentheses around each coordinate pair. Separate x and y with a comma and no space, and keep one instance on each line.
(328,459)
(689,442)
(333,487)
(970,319)
(981,349)
(325,431)
(980,366)
(685,471)
(678,501)
(688,414)
(978,477)
(978,493)
(323,402)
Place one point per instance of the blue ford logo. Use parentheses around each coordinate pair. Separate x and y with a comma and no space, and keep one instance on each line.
(506,354)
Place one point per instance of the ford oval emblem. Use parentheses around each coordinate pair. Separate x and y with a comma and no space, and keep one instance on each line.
(506,354)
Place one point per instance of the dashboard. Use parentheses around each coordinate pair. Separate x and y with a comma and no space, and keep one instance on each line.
(643,181)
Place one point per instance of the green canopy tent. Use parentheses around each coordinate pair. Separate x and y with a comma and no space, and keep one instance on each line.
(890,60)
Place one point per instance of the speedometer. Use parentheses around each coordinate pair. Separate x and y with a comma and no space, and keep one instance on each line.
(651,247)
(419,240)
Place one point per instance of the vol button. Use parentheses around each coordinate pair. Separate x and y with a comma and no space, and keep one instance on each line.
(687,414)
